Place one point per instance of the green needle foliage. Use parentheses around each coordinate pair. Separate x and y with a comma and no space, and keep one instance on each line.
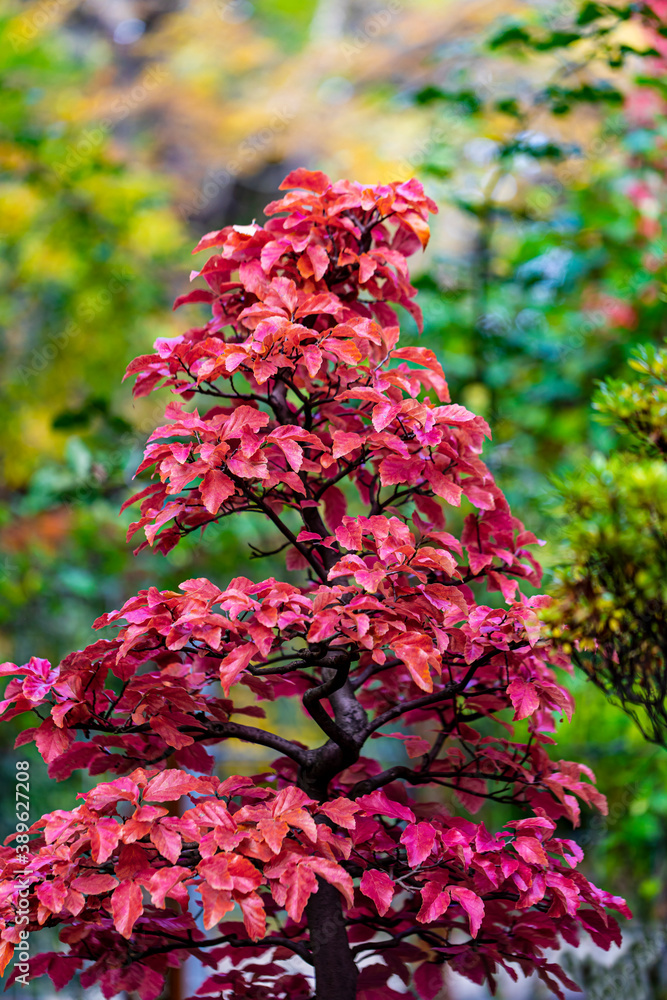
(612,599)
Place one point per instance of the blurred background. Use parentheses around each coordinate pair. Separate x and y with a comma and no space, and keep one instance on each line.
(130,127)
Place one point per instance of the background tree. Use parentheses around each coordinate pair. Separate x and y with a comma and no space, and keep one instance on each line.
(329,859)
(86,245)
(546,151)
(612,597)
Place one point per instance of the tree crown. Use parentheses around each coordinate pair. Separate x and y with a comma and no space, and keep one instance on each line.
(316,411)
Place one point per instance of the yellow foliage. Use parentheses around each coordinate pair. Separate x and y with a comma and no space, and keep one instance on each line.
(43,261)
(19,204)
(154,232)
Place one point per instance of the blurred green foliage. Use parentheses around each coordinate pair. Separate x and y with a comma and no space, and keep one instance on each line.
(86,244)
(561,271)
(613,595)
(80,287)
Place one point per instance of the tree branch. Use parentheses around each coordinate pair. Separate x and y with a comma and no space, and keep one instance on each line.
(339,666)
(280,525)
(449,691)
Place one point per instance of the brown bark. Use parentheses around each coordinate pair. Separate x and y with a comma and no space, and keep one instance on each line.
(175,984)
(335,969)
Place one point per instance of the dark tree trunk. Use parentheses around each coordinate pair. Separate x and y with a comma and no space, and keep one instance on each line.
(335,970)
(174,984)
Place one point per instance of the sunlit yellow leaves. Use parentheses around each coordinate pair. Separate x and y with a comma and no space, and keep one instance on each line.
(19,204)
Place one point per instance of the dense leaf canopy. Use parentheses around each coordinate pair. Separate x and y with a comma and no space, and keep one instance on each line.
(316,412)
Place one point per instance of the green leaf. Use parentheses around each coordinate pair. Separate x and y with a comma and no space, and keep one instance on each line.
(590,12)
(513,34)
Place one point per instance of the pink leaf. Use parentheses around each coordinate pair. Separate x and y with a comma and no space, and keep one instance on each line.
(215,488)
(418,840)
(524,696)
(472,904)
(301,884)
(104,837)
(233,665)
(52,741)
(254,915)
(435,901)
(170,785)
(531,850)
(168,842)
(341,811)
(96,882)
(126,907)
(163,881)
(378,803)
(429,982)
(379,887)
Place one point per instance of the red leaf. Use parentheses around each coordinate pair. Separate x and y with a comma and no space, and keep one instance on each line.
(472,904)
(419,840)
(172,736)
(104,837)
(378,802)
(341,811)
(288,806)
(310,180)
(442,486)
(254,915)
(52,741)
(170,785)
(274,832)
(212,239)
(418,226)
(230,871)
(334,874)
(216,487)
(6,954)
(235,663)
(344,443)
(435,901)
(531,850)
(429,982)
(524,696)
(163,881)
(379,887)
(216,904)
(416,658)
(335,507)
(94,883)
(126,907)
(168,842)
(199,294)
(120,790)
(301,884)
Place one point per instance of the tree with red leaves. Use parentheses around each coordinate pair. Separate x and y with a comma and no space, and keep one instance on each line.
(331,876)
